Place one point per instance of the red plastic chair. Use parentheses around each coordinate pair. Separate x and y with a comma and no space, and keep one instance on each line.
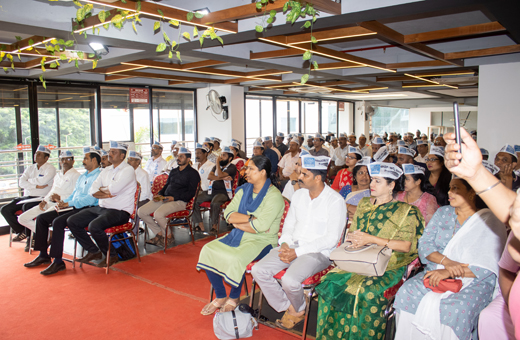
(120,229)
(158,183)
(206,206)
(183,214)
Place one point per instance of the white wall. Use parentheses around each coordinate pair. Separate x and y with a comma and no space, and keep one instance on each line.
(498,117)
(209,126)
(360,124)
(345,119)
(419,118)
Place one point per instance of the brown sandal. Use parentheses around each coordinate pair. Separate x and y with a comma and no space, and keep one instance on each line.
(288,321)
(230,305)
(155,241)
(207,310)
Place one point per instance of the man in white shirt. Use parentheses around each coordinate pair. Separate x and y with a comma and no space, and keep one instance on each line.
(115,188)
(208,143)
(216,146)
(171,160)
(288,163)
(36,181)
(352,139)
(338,157)
(422,151)
(105,163)
(204,167)
(392,143)
(155,164)
(363,147)
(142,177)
(312,229)
(310,143)
(63,186)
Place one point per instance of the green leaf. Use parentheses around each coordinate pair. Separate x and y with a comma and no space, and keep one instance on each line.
(264,2)
(123,1)
(178,55)
(76,63)
(160,12)
(259,28)
(174,22)
(156,25)
(195,31)
(199,15)
(307,24)
(30,42)
(116,19)
(314,18)
(69,43)
(101,16)
(213,35)
(18,38)
(43,67)
(189,16)
(166,37)
(314,40)
(44,84)
(57,63)
(49,48)
(63,57)
(138,6)
(220,40)
(80,14)
(61,42)
(91,55)
(173,42)
(161,47)
(94,64)
(170,54)
(77,3)
(80,54)
(53,65)
(315,64)
(285,7)
(57,48)
(5,69)
(304,78)
(307,55)
(272,14)
(186,35)
(270,20)
(12,66)
(258,5)
(201,39)
(133,26)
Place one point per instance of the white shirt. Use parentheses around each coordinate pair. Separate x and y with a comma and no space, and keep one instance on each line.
(212,158)
(172,164)
(366,151)
(288,163)
(340,155)
(204,171)
(420,158)
(32,176)
(121,183)
(64,184)
(154,167)
(288,191)
(144,179)
(392,147)
(314,226)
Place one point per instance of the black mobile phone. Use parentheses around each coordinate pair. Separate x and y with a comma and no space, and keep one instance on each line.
(457,125)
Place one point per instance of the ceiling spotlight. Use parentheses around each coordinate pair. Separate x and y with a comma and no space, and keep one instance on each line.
(98,48)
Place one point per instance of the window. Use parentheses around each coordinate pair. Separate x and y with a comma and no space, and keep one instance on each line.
(259,120)
(288,115)
(329,117)
(310,117)
(389,119)
(115,114)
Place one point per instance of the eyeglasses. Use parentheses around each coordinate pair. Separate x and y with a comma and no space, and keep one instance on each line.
(431,159)
(351,157)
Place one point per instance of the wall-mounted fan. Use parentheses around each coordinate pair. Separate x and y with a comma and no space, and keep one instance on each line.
(216,104)
(366,109)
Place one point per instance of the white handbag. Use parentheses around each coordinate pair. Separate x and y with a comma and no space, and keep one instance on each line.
(369,260)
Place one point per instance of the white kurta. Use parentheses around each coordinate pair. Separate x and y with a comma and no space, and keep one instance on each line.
(288,163)
(154,167)
(420,158)
(121,183)
(144,179)
(32,176)
(366,151)
(339,156)
(204,171)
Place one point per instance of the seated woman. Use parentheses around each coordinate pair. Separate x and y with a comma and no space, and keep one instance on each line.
(439,176)
(416,191)
(461,241)
(344,176)
(360,189)
(351,305)
(255,211)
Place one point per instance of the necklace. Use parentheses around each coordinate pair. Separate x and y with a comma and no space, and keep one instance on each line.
(375,202)
(407,200)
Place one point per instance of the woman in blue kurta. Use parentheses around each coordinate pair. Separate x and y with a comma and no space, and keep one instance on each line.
(463,242)
(255,211)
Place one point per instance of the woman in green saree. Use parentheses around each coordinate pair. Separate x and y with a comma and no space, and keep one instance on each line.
(352,306)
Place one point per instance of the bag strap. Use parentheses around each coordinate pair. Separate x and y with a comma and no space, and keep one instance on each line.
(237,334)
(405,215)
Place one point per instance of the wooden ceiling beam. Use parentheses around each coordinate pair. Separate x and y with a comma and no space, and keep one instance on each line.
(203,63)
(457,32)
(428,63)
(24,44)
(334,83)
(339,65)
(116,77)
(392,36)
(170,77)
(288,52)
(332,34)
(484,52)
(122,68)
(396,78)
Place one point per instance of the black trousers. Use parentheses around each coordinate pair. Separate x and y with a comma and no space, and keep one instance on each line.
(97,219)
(9,212)
(59,223)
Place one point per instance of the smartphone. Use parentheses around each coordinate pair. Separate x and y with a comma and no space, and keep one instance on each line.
(457,125)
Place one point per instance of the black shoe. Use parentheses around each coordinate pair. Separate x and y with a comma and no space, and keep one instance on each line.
(54,268)
(20,237)
(39,260)
(113,260)
(91,256)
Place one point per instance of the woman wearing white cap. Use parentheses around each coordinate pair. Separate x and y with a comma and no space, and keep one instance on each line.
(344,176)
(416,191)
(439,177)
(351,304)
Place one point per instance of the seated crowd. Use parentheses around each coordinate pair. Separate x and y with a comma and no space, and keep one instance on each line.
(431,207)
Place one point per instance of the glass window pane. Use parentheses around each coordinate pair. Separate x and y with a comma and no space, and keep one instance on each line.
(329,117)
(287,109)
(310,113)
(390,119)
(266,107)
(141,127)
(115,114)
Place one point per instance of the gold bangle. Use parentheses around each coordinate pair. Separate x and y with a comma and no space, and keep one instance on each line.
(386,245)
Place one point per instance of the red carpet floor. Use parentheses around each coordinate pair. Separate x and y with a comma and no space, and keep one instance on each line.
(159,298)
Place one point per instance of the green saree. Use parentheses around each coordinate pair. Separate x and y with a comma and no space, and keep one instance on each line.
(352,306)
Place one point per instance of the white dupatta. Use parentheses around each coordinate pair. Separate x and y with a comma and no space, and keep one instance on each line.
(479,242)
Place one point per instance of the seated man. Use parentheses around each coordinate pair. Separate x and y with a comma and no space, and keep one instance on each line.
(204,167)
(105,163)
(280,145)
(142,177)
(36,181)
(115,188)
(288,163)
(363,147)
(208,142)
(318,149)
(155,163)
(311,231)
(172,159)
(310,142)
(506,161)
(406,156)
(179,189)
(79,200)
(339,155)
(422,150)
(63,186)
(221,180)
(268,144)
(269,153)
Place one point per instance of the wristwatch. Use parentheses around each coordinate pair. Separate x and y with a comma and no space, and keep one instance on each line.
(251,218)
(293,182)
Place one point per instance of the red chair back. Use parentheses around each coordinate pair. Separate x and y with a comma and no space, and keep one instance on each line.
(287,205)
(158,183)
(136,200)
(189,205)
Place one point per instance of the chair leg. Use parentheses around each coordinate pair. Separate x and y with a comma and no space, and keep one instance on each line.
(260,296)
(252,296)
(108,253)
(211,291)
(245,285)
(307,310)
(10,236)
(30,242)
(134,238)
(190,226)
(74,256)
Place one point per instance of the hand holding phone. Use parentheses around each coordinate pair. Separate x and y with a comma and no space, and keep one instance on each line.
(457,125)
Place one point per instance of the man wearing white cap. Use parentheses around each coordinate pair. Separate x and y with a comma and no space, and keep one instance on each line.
(273,156)
(208,142)
(179,189)
(311,231)
(422,151)
(318,149)
(216,146)
(377,143)
(288,163)
(485,154)
(506,161)
(134,159)
(268,144)
(155,164)
(280,145)
(352,139)
(171,160)
(115,188)
(104,159)
(363,147)
(406,156)
(338,157)
(392,143)
(439,141)
(310,142)
(62,187)
(202,165)
(36,181)
(333,144)
(57,218)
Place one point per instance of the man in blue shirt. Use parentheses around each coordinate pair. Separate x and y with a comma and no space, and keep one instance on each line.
(78,200)
(273,157)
